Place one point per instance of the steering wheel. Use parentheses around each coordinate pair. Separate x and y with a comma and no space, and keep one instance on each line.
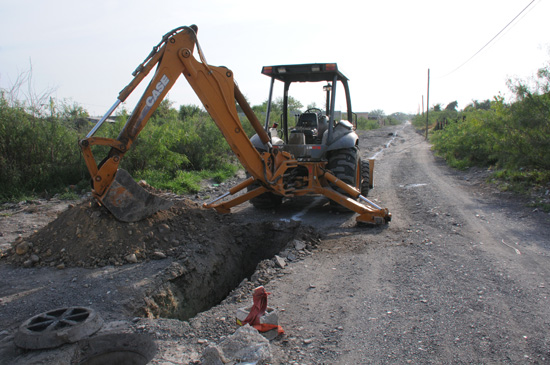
(314,110)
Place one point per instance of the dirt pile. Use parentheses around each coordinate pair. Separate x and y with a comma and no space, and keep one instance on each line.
(87,235)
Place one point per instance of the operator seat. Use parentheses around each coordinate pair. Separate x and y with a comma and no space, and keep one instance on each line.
(308,125)
(307,120)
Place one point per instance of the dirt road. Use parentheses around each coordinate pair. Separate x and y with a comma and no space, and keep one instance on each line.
(460,275)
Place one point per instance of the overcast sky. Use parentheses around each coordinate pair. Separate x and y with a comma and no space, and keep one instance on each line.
(85,51)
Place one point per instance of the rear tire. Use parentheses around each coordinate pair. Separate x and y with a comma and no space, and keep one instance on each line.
(344,164)
(365,177)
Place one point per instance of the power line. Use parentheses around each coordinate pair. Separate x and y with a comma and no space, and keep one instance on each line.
(490,41)
(519,20)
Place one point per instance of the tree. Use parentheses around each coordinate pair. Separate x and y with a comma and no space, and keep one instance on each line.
(277,108)
(452,106)
(479,105)
(73,115)
(188,111)
(312,105)
(401,117)
(377,113)
(293,104)
(164,112)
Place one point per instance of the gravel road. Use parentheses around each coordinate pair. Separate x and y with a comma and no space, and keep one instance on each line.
(460,275)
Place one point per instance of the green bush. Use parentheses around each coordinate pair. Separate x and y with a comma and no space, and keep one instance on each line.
(40,155)
(469,142)
(176,150)
(514,137)
(37,154)
(367,124)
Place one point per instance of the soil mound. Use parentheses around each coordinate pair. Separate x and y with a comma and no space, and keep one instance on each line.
(87,235)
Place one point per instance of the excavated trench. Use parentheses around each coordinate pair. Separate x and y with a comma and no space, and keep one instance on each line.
(210,253)
(205,256)
(195,284)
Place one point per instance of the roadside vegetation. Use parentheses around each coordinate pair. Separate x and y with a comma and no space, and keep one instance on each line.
(179,148)
(510,138)
(39,154)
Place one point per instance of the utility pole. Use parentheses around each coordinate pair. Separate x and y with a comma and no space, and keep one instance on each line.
(422,105)
(428,104)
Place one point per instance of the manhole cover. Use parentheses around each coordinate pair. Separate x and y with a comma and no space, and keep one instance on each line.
(116,348)
(57,327)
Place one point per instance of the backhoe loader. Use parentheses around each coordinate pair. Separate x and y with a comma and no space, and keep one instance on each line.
(318,156)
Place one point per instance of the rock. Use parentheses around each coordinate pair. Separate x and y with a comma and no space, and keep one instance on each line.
(131,258)
(284,253)
(35,258)
(280,261)
(164,228)
(299,245)
(246,345)
(255,277)
(158,255)
(61,266)
(22,248)
(212,356)
(27,263)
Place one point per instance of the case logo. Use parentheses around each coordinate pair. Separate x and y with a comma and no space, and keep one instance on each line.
(158,89)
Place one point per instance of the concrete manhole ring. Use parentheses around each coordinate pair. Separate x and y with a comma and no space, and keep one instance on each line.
(57,327)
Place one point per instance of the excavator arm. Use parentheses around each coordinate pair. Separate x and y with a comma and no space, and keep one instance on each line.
(173,56)
(216,89)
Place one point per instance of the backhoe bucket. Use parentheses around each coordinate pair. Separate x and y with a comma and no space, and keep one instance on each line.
(129,202)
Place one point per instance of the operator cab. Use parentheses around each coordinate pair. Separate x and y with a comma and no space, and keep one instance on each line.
(315,132)
(312,123)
